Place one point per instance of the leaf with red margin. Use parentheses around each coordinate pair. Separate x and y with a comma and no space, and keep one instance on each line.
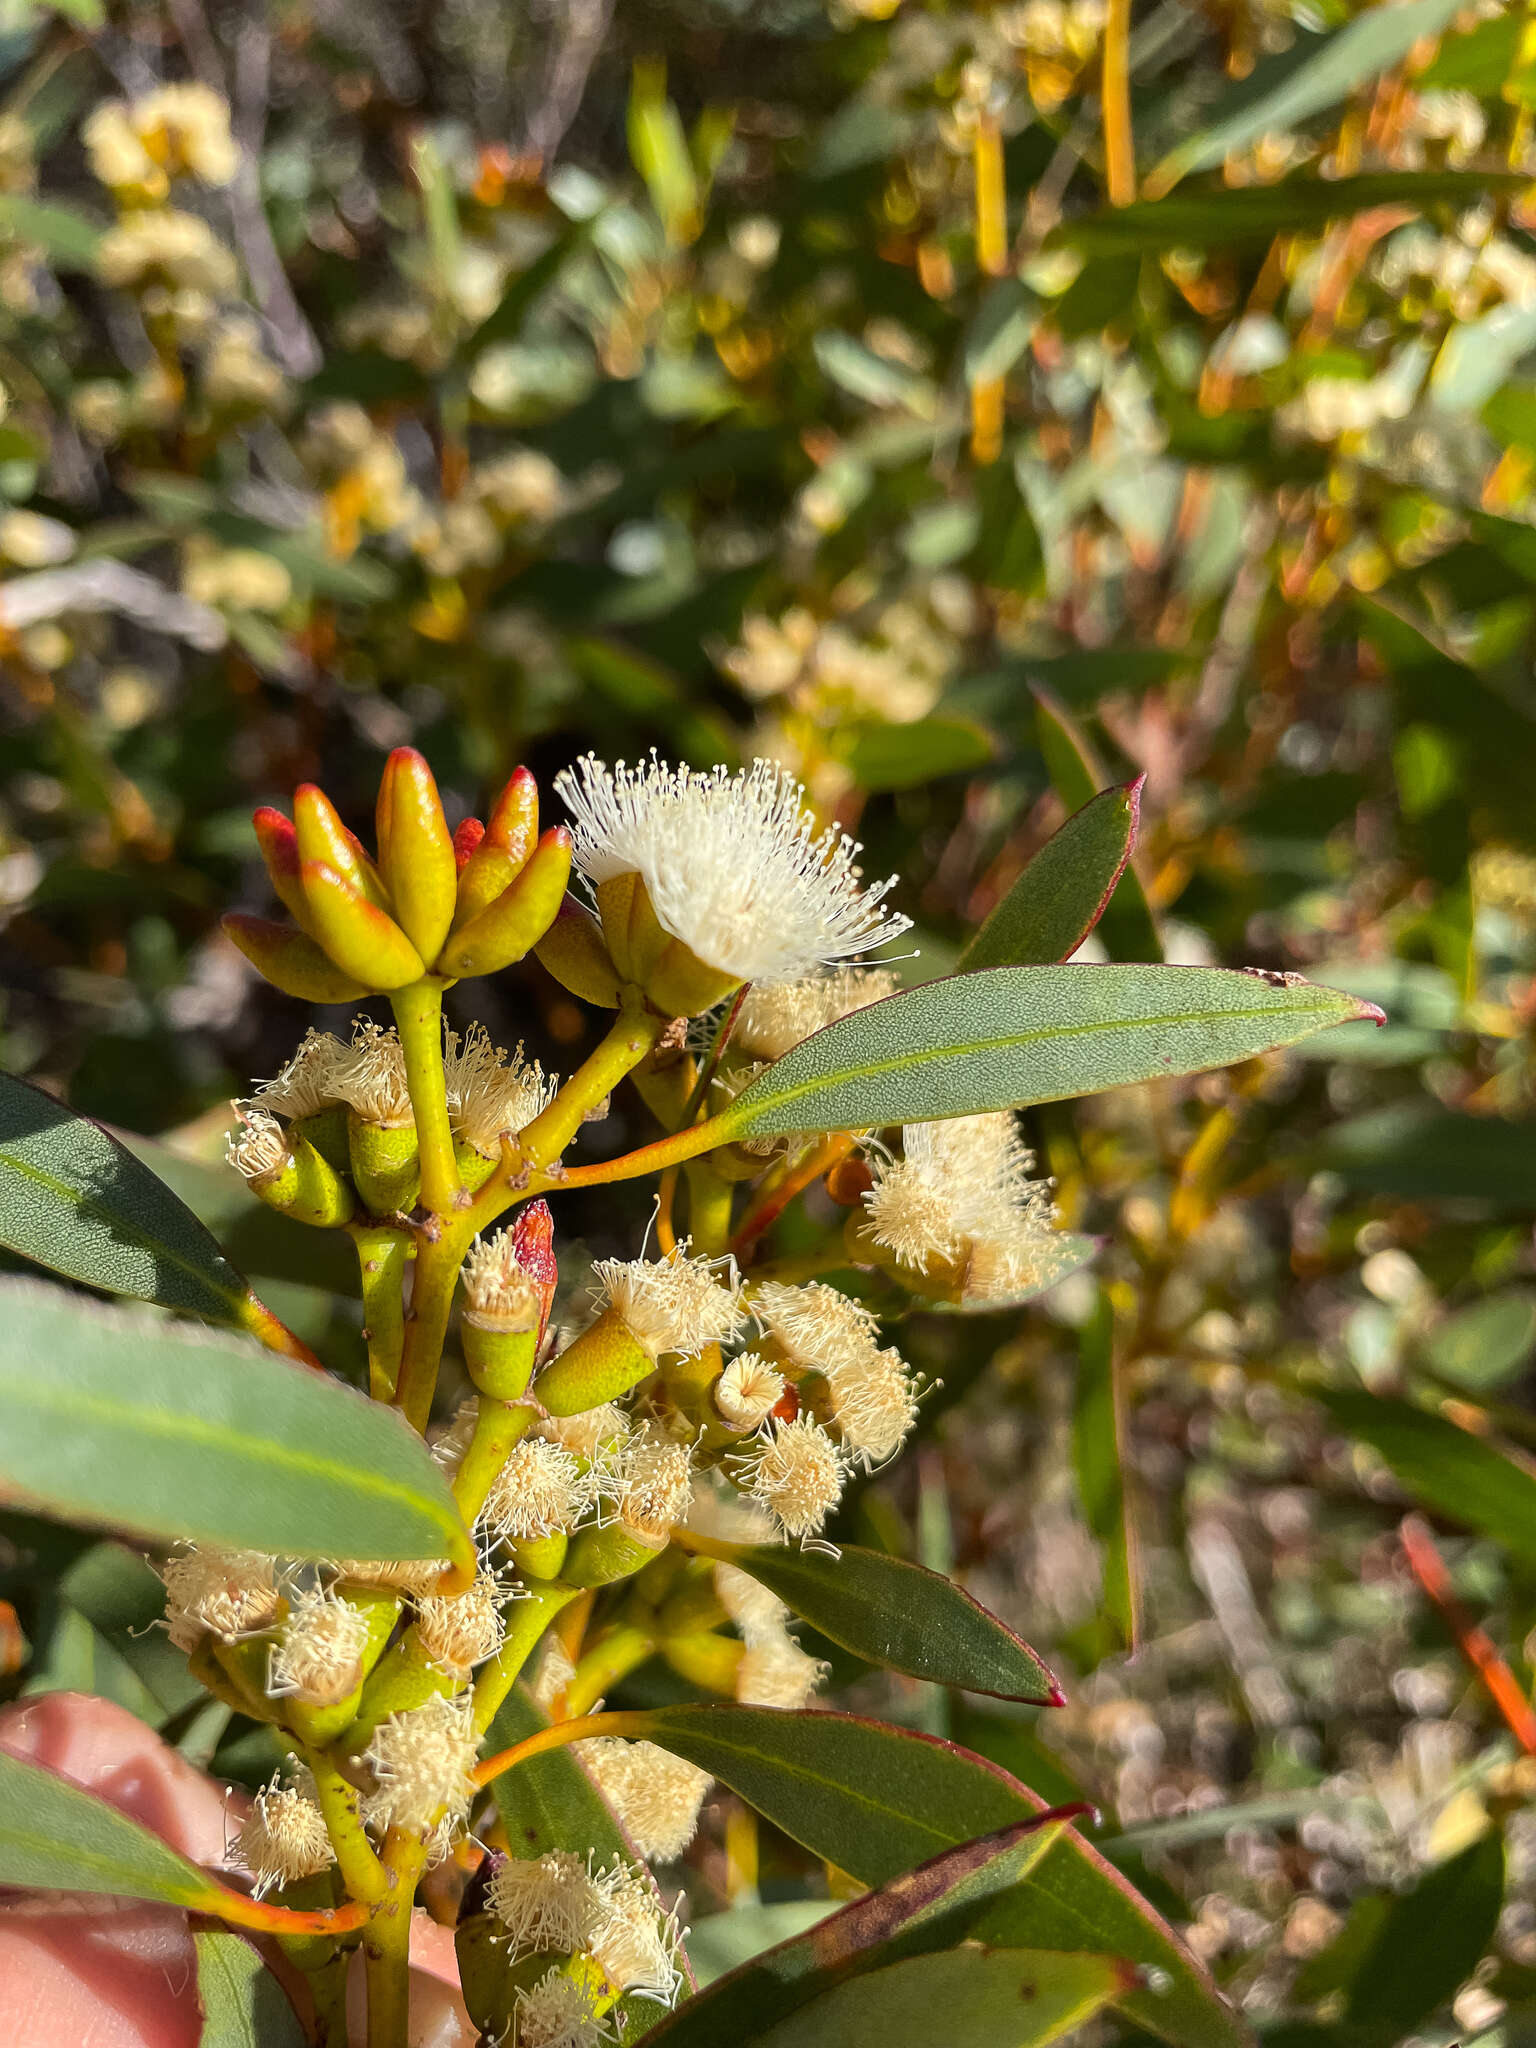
(876,1800)
(1064,890)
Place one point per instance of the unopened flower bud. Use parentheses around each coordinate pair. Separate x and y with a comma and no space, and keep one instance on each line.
(502,850)
(290,960)
(574,953)
(416,851)
(513,922)
(675,1305)
(363,940)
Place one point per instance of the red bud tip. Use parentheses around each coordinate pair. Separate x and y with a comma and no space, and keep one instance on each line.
(465,840)
(533,1246)
(277,839)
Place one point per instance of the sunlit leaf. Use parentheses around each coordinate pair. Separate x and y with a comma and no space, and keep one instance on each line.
(900,1616)
(56,1837)
(1006,1037)
(113,1417)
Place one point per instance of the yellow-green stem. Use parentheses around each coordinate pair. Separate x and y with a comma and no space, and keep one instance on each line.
(361,1871)
(419,1019)
(499,1425)
(621,1651)
(709,1210)
(438,1260)
(381,1261)
(633,1034)
(526,1623)
(387,1961)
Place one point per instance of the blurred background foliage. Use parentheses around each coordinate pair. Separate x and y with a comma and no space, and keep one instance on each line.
(968,406)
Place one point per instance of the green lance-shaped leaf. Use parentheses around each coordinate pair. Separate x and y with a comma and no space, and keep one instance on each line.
(1098,1443)
(74,1199)
(876,1800)
(243,2004)
(1062,893)
(116,1417)
(1127,926)
(922,1912)
(1426,1945)
(993,1998)
(899,1616)
(1010,1036)
(1447,1469)
(56,1837)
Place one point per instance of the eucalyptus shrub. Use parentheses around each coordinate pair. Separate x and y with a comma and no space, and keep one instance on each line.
(428,1608)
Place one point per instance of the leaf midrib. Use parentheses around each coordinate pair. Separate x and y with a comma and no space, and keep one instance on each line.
(163,1423)
(898,1063)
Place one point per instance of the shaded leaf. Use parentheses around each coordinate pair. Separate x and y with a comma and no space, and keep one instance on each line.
(1429,1941)
(1447,1469)
(899,1616)
(906,756)
(876,1800)
(1256,213)
(1098,1433)
(112,1417)
(56,1837)
(1423,1153)
(243,2004)
(923,1911)
(67,237)
(997,1998)
(1006,1037)
(1126,924)
(1064,889)
(74,1199)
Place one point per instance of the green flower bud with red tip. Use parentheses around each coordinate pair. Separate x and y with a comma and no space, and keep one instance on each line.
(574,952)
(505,846)
(513,924)
(363,940)
(279,844)
(416,851)
(323,838)
(465,840)
(292,962)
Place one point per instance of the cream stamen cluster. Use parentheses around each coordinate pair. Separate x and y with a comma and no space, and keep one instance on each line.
(496,1288)
(589,1434)
(304,1084)
(318,1658)
(423,1761)
(490,1092)
(541,1489)
(797,1472)
(870,1392)
(283,1838)
(401,1574)
(673,1304)
(961,1194)
(651,1485)
(460,1630)
(557,1902)
(748,1391)
(655,1795)
(557,2012)
(258,1148)
(775,1017)
(227,1594)
(732,864)
(778,1674)
(370,1076)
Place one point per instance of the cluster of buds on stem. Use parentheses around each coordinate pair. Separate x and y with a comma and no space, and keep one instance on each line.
(435,902)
